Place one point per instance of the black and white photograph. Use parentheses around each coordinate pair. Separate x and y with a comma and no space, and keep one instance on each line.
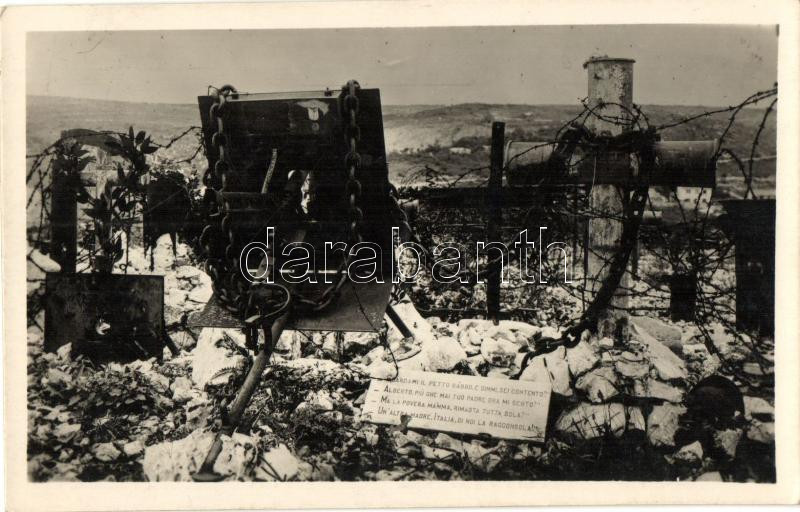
(447,253)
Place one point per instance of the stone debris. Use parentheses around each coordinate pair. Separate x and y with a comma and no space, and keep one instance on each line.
(666,362)
(553,368)
(691,454)
(755,407)
(710,476)
(727,441)
(668,335)
(133,448)
(237,458)
(211,357)
(662,424)
(652,388)
(761,432)
(481,457)
(599,384)
(581,358)
(106,452)
(499,351)
(591,384)
(277,465)
(176,461)
(588,421)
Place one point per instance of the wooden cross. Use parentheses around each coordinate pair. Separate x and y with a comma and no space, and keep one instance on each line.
(612,175)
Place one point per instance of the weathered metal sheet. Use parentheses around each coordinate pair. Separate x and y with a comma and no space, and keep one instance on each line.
(359,308)
(678,163)
(87,309)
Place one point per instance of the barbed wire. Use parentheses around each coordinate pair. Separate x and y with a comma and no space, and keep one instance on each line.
(705,250)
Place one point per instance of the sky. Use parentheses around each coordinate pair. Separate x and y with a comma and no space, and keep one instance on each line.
(710,65)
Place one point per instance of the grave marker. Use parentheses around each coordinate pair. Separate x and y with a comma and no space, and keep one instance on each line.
(506,409)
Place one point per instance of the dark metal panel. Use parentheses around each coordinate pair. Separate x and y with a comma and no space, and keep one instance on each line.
(132,305)
(751,224)
(360,308)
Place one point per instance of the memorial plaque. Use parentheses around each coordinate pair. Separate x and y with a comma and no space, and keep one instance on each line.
(507,409)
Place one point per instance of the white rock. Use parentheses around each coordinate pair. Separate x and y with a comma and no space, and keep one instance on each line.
(133,448)
(761,432)
(198,410)
(581,358)
(278,464)
(188,272)
(651,388)
(66,431)
(182,389)
(662,424)
(237,457)
(727,441)
(106,452)
(605,342)
(632,370)
(318,401)
(690,454)
(58,377)
(210,356)
(729,346)
(636,419)
(499,351)
(755,406)
(290,344)
(435,355)
(201,293)
(667,334)
(443,440)
(356,343)
(483,458)
(176,461)
(158,381)
(429,452)
(64,352)
(37,267)
(382,370)
(598,384)
(669,365)
(552,368)
(587,421)
(710,476)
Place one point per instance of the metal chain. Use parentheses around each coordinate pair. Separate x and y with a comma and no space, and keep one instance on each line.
(348,105)
(222,263)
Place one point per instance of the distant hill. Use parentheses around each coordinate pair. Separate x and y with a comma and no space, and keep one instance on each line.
(416,135)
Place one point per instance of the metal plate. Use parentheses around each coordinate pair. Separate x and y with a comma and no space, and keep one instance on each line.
(359,308)
(75,303)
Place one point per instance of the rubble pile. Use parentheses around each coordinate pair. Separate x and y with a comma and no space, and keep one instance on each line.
(626,404)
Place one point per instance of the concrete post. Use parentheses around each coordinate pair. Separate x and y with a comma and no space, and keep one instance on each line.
(610,96)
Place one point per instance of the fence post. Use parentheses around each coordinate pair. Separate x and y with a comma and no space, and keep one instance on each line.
(611,96)
(495,218)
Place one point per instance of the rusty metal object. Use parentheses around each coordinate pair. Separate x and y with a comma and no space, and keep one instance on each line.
(105,316)
(678,164)
(683,163)
(254,142)
(359,308)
